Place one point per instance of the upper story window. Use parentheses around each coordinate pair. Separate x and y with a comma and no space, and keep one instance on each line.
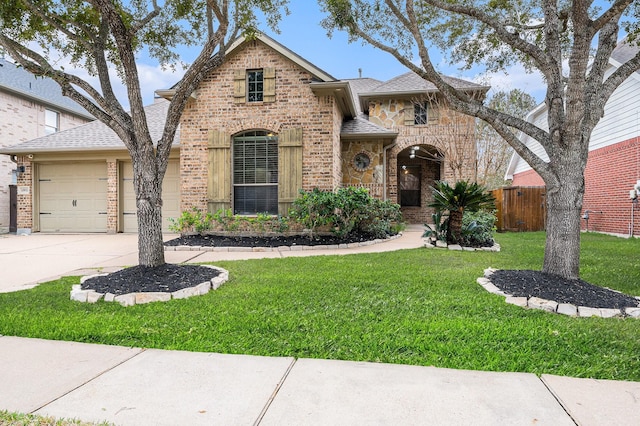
(51,121)
(255,85)
(421,113)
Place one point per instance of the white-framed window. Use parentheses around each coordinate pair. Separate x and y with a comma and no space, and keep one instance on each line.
(51,121)
(255,173)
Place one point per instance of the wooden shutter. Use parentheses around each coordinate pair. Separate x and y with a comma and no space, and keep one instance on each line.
(239,86)
(433,113)
(289,168)
(219,179)
(269,81)
(409,113)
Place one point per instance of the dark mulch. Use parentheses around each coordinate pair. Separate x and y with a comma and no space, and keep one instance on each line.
(166,278)
(553,287)
(271,241)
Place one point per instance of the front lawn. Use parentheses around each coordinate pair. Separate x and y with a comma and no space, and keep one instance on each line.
(419,306)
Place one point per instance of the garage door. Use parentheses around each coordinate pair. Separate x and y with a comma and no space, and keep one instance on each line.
(170,197)
(73,197)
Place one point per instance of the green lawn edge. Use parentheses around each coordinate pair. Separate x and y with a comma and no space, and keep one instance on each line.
(418,307)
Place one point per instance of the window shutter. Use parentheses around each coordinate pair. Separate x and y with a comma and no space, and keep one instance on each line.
(239,86)
(409,114)
(289,168)
(433,114)
(219,179)
(269,80)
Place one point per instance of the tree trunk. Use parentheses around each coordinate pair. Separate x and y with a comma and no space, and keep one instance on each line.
(564,207)
(148,188)
(455,226)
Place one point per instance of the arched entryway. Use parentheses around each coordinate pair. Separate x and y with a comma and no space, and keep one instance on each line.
(418,167)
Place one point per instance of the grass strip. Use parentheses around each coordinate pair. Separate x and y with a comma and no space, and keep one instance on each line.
(420,307)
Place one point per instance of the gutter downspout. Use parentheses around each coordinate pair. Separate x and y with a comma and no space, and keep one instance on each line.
(384,166)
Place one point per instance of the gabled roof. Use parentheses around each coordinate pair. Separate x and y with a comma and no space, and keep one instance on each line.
(411,84)
(42,90)
(93,136)
(286,52)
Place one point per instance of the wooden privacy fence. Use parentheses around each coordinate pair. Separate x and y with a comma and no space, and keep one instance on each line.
(520,208)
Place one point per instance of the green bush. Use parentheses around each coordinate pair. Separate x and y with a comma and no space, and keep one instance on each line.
(193,220)
(345,211)
(381,218)
(478,228)
(439,230)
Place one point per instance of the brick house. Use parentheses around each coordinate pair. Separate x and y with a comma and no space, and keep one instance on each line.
(29,108)
(613,165)
(264,125)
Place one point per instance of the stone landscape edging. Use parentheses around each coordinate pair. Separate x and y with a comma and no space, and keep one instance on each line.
(555,307)
(139,298)
(282,248)
(456,247)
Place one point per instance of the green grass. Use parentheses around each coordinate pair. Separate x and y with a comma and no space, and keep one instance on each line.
(419,307)
(17,419)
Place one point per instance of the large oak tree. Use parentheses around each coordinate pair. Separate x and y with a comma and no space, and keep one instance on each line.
(568,42)
(102,35)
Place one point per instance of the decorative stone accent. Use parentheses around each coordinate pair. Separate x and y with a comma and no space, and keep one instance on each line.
(518,301)
(139,298)
(545,305)
(455,247)
(633,312)
(555,307)
(567,309)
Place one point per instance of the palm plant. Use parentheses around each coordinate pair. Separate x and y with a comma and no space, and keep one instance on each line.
(463,196)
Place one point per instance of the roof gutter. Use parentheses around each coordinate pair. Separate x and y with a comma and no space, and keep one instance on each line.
(341,90)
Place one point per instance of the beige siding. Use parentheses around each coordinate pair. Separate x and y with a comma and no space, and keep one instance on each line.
(170,197)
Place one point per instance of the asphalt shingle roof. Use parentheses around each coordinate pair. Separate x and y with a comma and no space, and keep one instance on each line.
(362,126)
(44,90)
(94,135)
(412,82)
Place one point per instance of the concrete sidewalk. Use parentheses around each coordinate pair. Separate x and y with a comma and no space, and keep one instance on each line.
(132,386)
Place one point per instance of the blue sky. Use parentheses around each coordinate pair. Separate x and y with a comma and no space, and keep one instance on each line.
(301,32)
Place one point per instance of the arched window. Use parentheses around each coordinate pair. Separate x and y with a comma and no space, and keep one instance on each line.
(255,173)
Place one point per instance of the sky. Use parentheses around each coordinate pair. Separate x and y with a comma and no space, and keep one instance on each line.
(301,32)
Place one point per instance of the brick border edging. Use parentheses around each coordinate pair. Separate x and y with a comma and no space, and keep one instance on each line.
(130,299)
(281,248)
(555,307)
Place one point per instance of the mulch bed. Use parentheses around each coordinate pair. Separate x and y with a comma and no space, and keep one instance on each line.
(552,287)
(265,241)
(137,279)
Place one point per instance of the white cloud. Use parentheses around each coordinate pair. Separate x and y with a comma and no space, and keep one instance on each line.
(516,77)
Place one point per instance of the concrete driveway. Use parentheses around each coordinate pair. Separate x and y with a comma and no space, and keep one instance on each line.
(26,261)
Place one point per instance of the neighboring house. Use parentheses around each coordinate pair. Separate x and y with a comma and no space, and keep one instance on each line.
(260,128)
(613,165)
(30,107)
